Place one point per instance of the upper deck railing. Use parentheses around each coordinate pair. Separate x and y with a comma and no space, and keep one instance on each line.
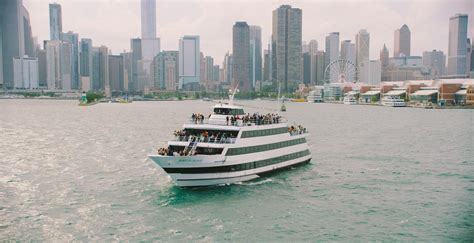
(201,139)
(239,122)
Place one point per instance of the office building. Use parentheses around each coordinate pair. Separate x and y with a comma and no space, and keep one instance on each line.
(73,38)
(384,62)
(189,63)
(348,51)
(362,50)
(255,54)
(402,42)
(436,61)
(332,52)
(55,21)
(371,73)
(457,51)
(42,68)
(116,73)
(227,68)
(166,70)
(25,73)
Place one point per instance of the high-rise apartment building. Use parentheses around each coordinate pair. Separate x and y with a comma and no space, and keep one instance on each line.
(287,46)
(402,42)
(332,51)
(228,68)
(73,38)
(241,56)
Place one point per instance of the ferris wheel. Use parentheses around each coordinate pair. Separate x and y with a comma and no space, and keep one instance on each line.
(340,71)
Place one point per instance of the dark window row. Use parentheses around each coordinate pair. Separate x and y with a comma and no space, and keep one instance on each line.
(239,167)
(265,147)
(266,132)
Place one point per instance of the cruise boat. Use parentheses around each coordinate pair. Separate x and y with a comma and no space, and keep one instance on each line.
(314,97)
(393,101)
(349,100)
(231,146)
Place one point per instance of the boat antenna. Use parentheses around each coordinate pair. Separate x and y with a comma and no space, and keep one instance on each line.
(232,94)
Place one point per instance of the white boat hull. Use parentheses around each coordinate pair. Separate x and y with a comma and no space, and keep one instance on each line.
(211,179)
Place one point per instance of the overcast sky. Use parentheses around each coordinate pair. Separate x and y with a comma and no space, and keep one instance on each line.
(113,22)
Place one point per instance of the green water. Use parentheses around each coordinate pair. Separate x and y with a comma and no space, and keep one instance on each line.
(81,173)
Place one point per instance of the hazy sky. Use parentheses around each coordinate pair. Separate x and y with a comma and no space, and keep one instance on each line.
(113,22)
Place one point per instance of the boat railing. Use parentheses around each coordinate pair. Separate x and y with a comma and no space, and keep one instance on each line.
(201,139)
(295,133)
(242,122)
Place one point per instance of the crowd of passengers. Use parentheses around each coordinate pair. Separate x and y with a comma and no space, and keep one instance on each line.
(256,118)
(296,130)
(197,118)
(168,152)
(205,136)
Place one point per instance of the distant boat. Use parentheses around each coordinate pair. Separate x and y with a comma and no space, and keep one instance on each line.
(349,100)
(393,101)
(283,107)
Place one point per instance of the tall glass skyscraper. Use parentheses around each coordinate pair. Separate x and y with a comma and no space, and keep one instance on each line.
(362,51)
(55,21)
(457,51)
(255,54)
(287,46)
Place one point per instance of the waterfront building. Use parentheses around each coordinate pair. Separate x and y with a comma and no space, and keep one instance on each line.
(332,49)
(348,51)
(55,21)
(189,62)
(166,70)
(240,52)
(116,72)
(362,50)
(402,42)
(436,61)
(457,51)
(15,38)
(25,73)
(255,37)
(384,61)
(73,39)
(287,46)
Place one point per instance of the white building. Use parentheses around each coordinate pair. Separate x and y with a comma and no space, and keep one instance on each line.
(25,73)
(189,62)
(371,72)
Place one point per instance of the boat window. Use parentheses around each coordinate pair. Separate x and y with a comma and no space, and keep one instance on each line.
(228,111)
(264,147)
(266,132)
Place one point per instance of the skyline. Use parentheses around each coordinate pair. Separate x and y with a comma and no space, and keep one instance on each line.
(199,18)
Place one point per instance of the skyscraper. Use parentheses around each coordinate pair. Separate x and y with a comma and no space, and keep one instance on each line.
(348,51)
(313,47)
(53,63)
(25,73)
(228,67)
(136,49)
(73,38)
(208,68)
(241,51)
(384,61)
(436,61)
(287,46)
(362,50)
(116,72)
(166,70)
(457,51)
(15,38)
(55,21)
(371,72)
(85,63)
(150,43)
(42,68)
(189,62)
(255,54)
(401,44)
(319,67)
(332,51)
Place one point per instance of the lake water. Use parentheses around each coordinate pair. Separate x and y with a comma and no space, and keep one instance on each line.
(377,173)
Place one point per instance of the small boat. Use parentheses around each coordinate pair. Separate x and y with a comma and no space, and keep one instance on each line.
(349,100)
(393,101)
(283,107)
